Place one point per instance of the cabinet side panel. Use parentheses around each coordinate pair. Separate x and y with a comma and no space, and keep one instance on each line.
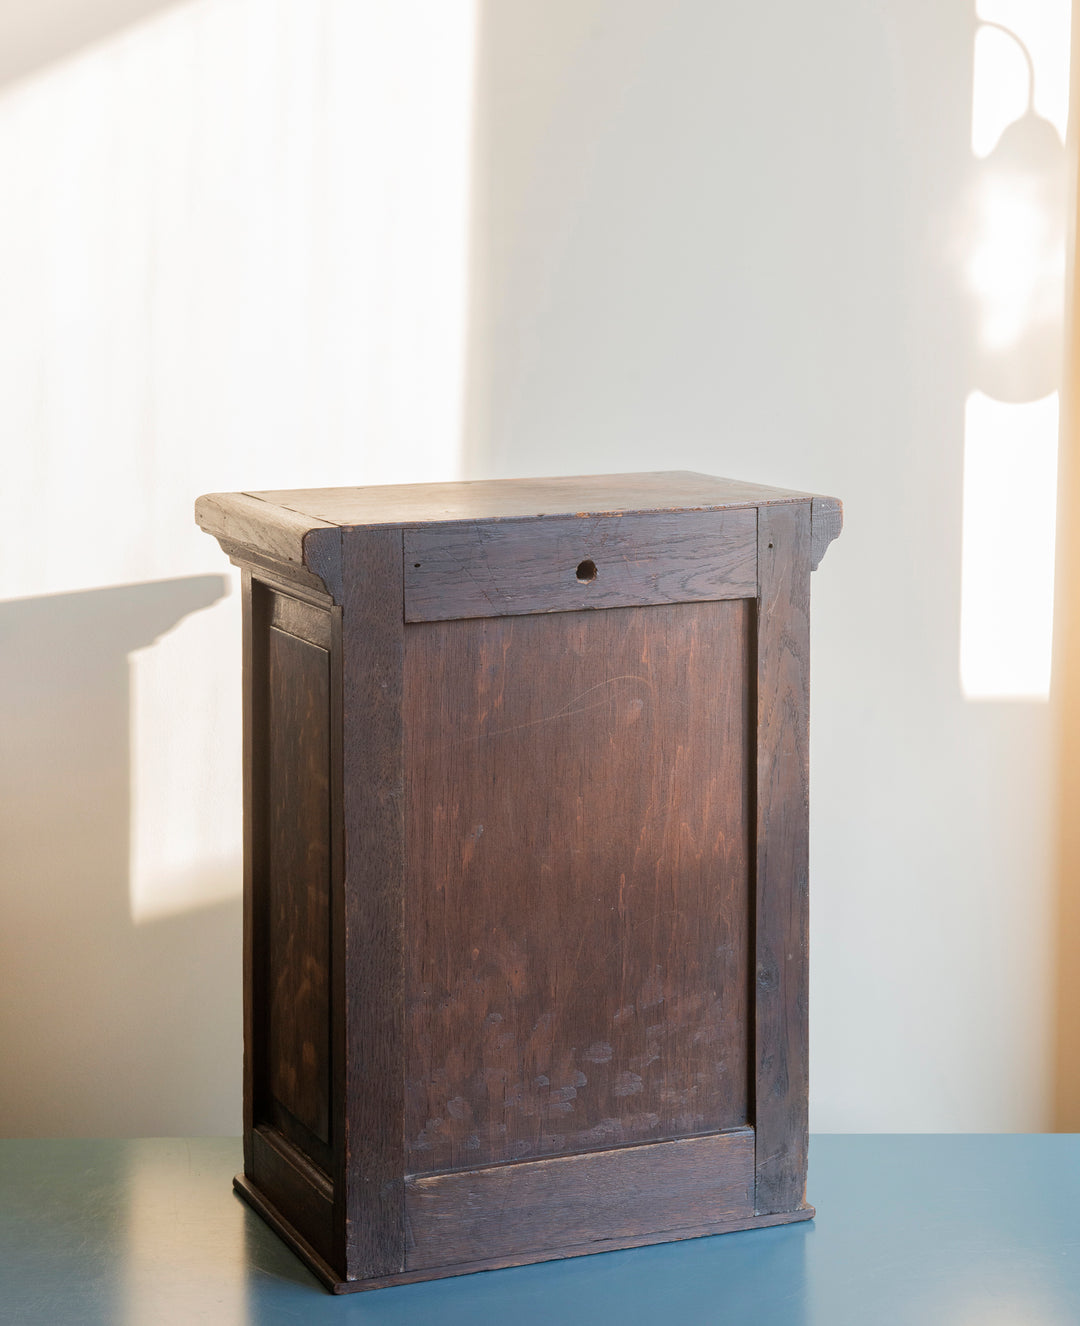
(781,969)
(287,1028)
(298,880)
(371,943)
(578,810)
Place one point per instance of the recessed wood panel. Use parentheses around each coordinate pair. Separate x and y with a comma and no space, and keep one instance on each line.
(578,819)
(297,884)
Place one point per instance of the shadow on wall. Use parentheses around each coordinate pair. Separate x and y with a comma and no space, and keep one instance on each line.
(37,35)
(142,1019)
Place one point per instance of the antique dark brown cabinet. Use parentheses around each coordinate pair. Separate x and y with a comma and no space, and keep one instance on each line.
(525,840)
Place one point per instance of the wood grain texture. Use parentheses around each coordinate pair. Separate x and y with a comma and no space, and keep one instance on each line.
(293,1184)
(307,622)
(525,894)
(322,558)
(578,809)
(508,1210)
(781,1028)
(519,499)
(515,567)
(297,869)
(371,949)
(295,533)
(285,576)
(244,520)
(556,1252)
(826,522)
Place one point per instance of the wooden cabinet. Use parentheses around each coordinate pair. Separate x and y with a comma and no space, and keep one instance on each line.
(525,957)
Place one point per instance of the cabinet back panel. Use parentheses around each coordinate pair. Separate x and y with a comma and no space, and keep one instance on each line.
(578,815)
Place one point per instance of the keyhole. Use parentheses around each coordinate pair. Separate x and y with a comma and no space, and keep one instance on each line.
(586,571)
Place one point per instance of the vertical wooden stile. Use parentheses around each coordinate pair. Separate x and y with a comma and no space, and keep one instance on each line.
(373,932)
(250,703)
(780,1020)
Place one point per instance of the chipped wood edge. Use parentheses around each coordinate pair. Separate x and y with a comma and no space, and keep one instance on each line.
(296,547)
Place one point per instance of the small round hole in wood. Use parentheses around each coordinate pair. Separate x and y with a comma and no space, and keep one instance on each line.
(586,571)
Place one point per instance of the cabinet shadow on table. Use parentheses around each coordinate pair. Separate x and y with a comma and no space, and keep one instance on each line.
(107,1028)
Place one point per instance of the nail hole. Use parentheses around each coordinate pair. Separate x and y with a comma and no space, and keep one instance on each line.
(770,545)
(586,571)
(416,565)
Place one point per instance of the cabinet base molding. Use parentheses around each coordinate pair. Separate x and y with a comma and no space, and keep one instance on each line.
(326,1276)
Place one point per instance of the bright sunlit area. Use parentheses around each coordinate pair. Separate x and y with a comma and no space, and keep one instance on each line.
(1015,265)
(265,287)
(233,256)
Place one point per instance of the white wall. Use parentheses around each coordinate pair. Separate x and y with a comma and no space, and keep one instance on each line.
(232,255)
(733,238)
(702,236)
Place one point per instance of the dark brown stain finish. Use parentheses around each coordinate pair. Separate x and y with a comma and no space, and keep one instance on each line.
(525,886)
(298,879)
(372,918)
(783,701)
(577,889)
(514,567)
(508,1210)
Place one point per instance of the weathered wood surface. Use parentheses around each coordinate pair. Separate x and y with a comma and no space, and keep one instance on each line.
(297,879)
(243,519)
(561,856)
(553,1252)
(287,736)
(579,816)
(783,696)
(826,522)
(293,1184)
(514,567)
(508,1210)
(371,951)
(295,617)
(237,514)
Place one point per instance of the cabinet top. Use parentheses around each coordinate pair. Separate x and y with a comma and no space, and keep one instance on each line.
(505,499)
(277,523)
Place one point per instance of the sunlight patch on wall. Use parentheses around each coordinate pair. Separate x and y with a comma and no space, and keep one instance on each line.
(1017,264)
(1007,583)
(236,257)
(1014,269)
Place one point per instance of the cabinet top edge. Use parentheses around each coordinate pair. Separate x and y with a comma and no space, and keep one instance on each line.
(494,500)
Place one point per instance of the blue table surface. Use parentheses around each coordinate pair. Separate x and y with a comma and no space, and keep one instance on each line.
(954,1229)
